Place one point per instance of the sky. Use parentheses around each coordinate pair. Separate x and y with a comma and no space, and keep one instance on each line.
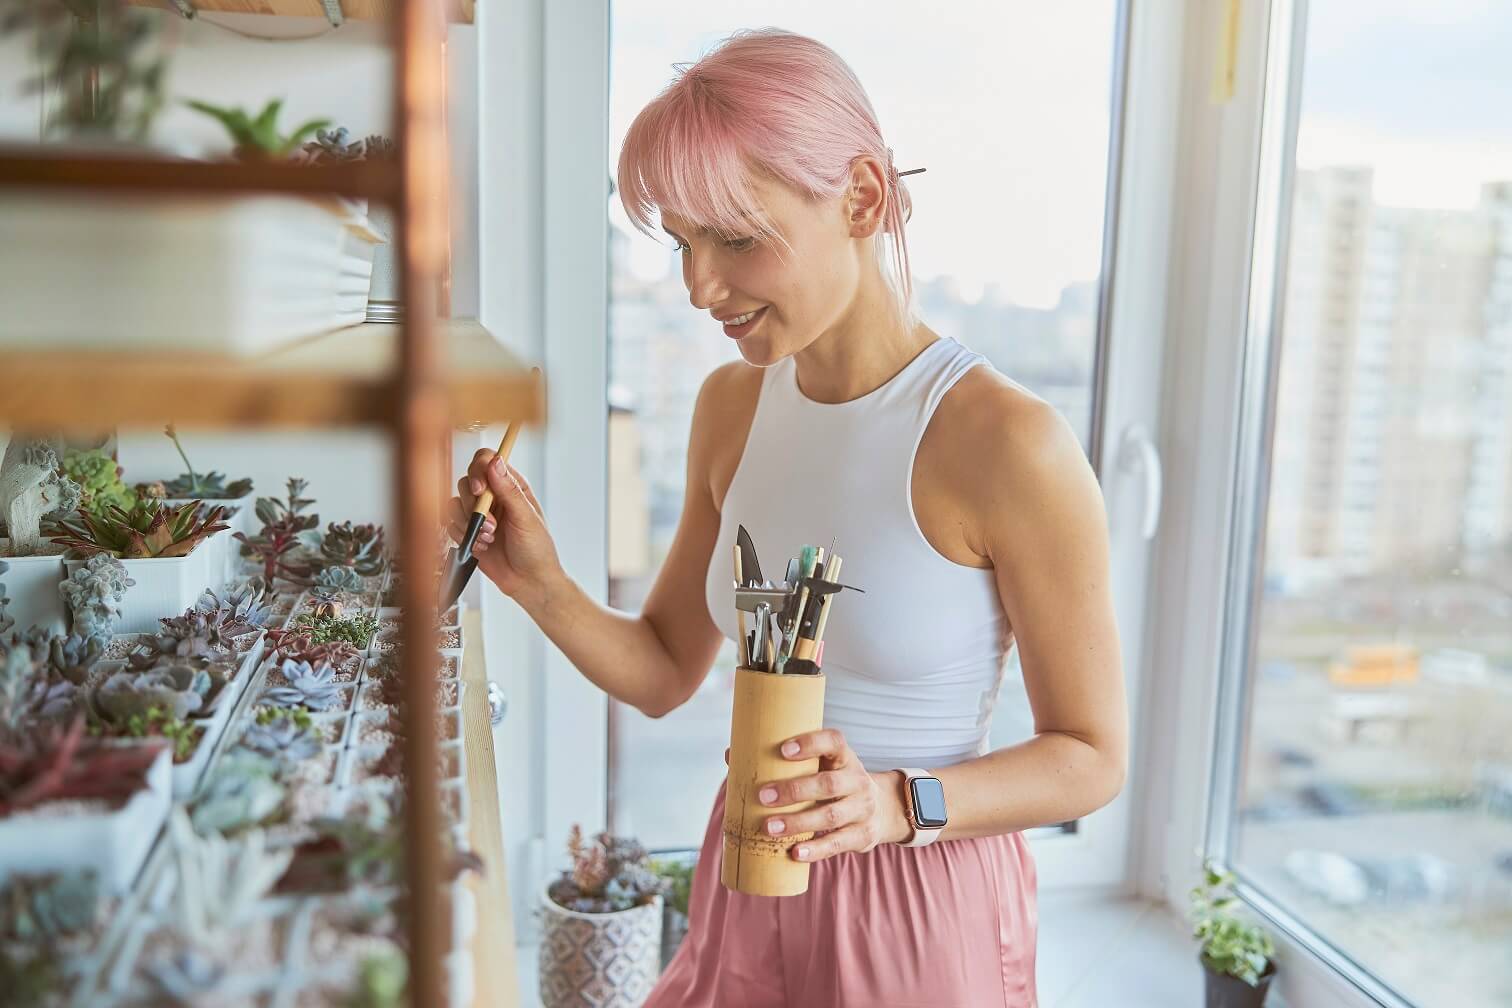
(1006,103)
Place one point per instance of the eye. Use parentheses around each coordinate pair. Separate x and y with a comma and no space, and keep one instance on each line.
(678,245)
(741,244)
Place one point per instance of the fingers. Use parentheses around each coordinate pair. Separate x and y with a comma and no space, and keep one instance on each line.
(858,837)
(814,787)
(823,818)
(827,744)
(458,516)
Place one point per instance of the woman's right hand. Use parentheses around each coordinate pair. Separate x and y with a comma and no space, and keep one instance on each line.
(514,549)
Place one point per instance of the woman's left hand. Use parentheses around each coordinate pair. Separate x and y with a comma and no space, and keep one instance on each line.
(857,810)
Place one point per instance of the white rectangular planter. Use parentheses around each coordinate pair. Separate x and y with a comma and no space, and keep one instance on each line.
(31,583)
(228,568)
(165,586)
(238,276)
(113,843)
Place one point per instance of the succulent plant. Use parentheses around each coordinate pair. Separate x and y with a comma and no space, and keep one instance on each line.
(333,147)
(282,524)
(257,138)
(94,592)
(242,791)
(149,529)
(178,690)
(357,630)
(48,907)
(382,981)
(364,846)
(54,764)
(335,579)
(247,605)
(300,645)
(155,723)
(29,692)
(73,657)
(99,479)
(32,489)
(608,873)
(310,686)
(285,733)
(359,547)
(211,485)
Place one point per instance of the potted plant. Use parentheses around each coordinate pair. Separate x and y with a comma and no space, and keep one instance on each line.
(1237,955)
(89,804)
(677,875)
(94,592)
(279,548)
(33,490)
(211,487)
(157,544)
(99,479)
(601,926)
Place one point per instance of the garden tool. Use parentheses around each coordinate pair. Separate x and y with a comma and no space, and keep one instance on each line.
(461,562)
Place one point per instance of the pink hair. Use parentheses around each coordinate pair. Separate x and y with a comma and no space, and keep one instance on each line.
(762,101)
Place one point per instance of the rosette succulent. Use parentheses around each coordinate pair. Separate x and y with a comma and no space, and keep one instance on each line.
(242,791)
(179,690)
(48,907)
(99,480)
(284,733)
(208,485)
(149,529)
(359,547)
(313,687)
(94,592)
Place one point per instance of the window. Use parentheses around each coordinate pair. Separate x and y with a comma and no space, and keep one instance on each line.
(1007,245)
(1370,797)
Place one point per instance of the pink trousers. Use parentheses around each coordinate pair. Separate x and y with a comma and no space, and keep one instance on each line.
(951,925)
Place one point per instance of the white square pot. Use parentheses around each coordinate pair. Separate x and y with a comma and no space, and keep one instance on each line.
(31,583)
(114,843)
(224,544)
(165,586)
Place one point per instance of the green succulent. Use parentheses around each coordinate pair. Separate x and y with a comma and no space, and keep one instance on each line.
(74,657)
(1230,943)
(149,529)
(158,723)
(382,979)
(257,138)
(211,485)
(313,687)
(94,592)
(242,791)
(48,907)
(99,478)
(284,733)
(356,630)
(338,579)
(129,694)
(359,547)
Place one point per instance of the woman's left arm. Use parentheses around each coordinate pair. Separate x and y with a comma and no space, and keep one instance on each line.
(1045,530)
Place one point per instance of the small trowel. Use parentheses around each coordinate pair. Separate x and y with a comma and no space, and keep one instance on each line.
(461,562)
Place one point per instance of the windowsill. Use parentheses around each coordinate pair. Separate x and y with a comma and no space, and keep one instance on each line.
(1095,950)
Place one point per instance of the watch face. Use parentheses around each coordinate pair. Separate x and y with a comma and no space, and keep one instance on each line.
(928,802)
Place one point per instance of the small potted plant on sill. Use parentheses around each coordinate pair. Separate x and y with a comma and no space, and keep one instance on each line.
(601,926)
(159,547)
(1237,955)
(677,873)
(33,490)
(212,488)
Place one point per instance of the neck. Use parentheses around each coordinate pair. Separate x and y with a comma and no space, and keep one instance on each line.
(866,346)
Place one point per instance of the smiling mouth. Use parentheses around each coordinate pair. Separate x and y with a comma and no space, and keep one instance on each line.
(742,324)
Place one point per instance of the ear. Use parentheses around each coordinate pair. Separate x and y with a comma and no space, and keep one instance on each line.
(865,200)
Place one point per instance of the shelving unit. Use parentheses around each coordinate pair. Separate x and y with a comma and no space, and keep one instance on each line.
(416,380)
(363,10)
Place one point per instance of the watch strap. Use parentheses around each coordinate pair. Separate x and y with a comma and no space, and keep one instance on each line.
(921,836)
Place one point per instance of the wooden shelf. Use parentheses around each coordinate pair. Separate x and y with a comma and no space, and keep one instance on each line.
(496,981)
(360,10)
(43,167)
(342,378)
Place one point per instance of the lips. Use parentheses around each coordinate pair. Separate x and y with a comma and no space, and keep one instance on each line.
(753,319)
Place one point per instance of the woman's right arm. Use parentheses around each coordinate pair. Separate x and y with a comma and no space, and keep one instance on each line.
(654,660)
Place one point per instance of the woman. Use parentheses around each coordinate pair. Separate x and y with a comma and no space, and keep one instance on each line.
(962,504)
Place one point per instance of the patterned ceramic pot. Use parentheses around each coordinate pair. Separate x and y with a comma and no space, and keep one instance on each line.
(607,960)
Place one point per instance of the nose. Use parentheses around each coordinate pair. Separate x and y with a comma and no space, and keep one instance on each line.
(706,287)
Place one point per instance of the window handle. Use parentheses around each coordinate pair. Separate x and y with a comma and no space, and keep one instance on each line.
(1138,453)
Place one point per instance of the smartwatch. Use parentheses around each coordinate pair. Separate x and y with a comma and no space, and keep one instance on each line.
(924,804)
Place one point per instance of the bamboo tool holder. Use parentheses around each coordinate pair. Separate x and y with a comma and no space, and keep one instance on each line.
(769,709)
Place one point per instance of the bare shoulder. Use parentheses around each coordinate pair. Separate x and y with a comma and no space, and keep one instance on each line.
(1008,457)
(721,420)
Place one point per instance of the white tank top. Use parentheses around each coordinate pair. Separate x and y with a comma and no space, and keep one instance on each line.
(915,664)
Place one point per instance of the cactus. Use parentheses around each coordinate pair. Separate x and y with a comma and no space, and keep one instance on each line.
(56,764)
(285,733)
(32,488)
(310,686)
(210,485)
(94,592)
(149,529)
(178,690)
(48,907)
(99,479)
(242,791)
